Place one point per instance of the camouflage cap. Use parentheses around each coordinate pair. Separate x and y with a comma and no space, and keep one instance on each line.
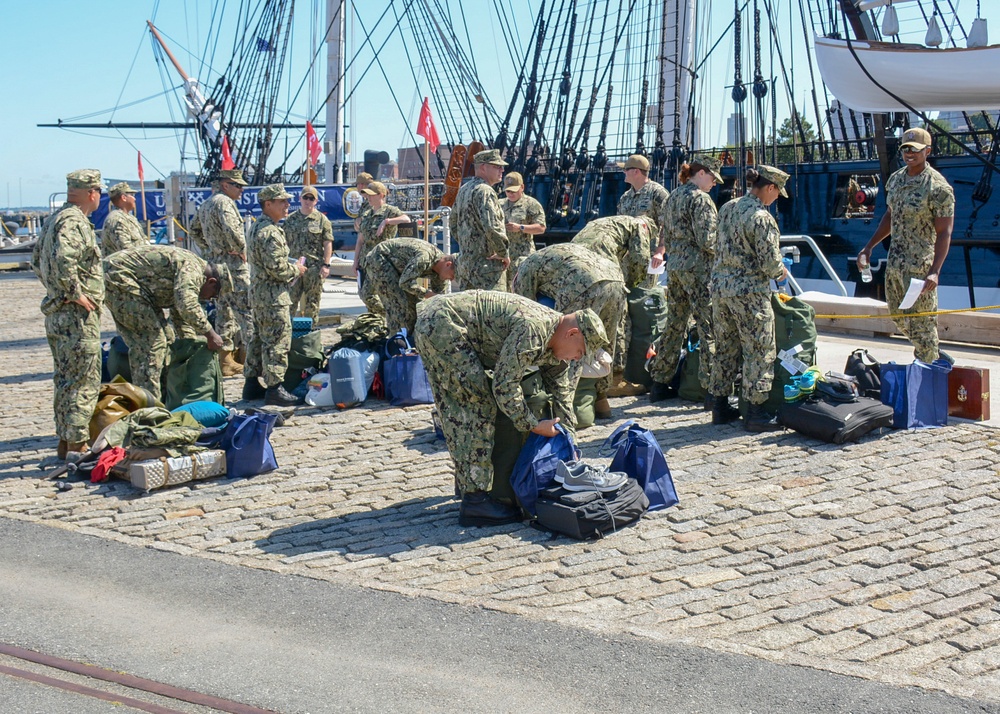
(637,161)
(593,330)
(234,175)
(917,138)
(489,156)
(513,182)
(375,188)
(119,189)
(775,176)
(710,164)
(365,178)
(84,178)
(309,191)
(273,192)
(226,285)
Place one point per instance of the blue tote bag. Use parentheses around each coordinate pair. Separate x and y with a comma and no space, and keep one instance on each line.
(917,393)
(248,446)
(535,467)
(404,376)
(638,454)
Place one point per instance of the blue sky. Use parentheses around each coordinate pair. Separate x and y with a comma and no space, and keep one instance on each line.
(65,59)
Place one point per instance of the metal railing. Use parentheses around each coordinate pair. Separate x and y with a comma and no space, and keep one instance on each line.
(820,257)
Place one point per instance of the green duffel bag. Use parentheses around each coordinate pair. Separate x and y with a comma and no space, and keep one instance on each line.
(193,375)
(508,440)
(305,353)
(689,385)
(584,402)
(794,329)
(647,308)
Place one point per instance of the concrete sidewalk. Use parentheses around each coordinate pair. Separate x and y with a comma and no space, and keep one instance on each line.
(879,559)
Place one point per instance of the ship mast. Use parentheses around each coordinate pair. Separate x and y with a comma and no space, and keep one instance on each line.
(208,117)
(336,49)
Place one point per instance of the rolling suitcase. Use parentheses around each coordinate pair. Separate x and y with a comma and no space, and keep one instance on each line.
(835,422)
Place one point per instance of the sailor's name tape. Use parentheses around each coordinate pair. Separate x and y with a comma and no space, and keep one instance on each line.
(893,316)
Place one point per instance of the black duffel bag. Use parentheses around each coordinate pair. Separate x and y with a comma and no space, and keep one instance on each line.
(835,421)
(590,514)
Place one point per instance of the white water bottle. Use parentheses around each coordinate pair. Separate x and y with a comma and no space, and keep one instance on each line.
(866,270)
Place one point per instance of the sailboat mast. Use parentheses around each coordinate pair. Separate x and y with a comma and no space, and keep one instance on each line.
(336,50)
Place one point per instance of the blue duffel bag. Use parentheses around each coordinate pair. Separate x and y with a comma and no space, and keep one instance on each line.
(535,468)
(638,454)
(917,393)
(403,374)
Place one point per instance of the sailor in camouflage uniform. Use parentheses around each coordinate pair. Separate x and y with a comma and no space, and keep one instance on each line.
(627,240)
(747,257)
(67,260)
(525,219)
(361,182)
(920,216)
(396,268)
(222,228)
(310,235)
(271,273)
(144,281)
(645,198)
(379,223)
(575,277)
(477,225)
(463,336)
(121,230)
(689,222)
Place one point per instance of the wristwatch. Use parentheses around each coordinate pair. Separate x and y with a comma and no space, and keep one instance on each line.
(326,265)
(521,227)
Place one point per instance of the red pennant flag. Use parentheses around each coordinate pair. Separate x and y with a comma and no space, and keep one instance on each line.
(142,176)
(227,157)
(312,143)
(426,128)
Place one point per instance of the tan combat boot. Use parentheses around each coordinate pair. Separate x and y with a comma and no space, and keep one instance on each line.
(622,388)
(602,408)
(61,450)
(75,447)
(230,367)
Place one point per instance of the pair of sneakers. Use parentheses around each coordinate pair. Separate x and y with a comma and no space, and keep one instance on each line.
(578,476)
(803,385)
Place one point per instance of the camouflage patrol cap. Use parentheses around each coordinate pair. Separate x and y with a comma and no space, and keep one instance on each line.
(84,178)
(273,192)
(309,191)
(637,161)
(225,277)
(710,164)
(513,182)
(489,156)
(365,178)
(119,189)
(775,176)
(375,188)
(593,330)
(234,175)
(917,138)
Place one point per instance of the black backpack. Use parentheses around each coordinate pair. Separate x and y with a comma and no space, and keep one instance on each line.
(867,370)
(589,514)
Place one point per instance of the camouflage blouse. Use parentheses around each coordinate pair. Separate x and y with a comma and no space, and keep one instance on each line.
(747,256)
(915,201)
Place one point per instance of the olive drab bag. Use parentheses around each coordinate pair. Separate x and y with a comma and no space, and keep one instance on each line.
(306,353)
(507,441)
(647,308)
(193,375)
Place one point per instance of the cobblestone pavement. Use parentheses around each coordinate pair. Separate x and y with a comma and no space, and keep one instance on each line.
(878,560)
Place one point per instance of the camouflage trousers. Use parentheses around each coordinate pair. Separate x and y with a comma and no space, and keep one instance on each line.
(306,294)
(368,294)
(74,337)
(480,274)
(267,354)
(607,299)
(233,310)
(624,338)
(462,394)
(148,336)
(515,265)
(400,306)
(744,337)
(922,332)
(687,297)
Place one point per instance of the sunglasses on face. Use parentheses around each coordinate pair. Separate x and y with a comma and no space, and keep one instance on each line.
(308,198)
(911,150)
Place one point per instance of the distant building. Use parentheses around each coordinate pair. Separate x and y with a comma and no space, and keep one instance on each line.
(411,165)
(735,128)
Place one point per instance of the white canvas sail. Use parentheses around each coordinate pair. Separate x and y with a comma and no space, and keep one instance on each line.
(960,79)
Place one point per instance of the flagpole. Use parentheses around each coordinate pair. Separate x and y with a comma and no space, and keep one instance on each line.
(142,196)
(427,190)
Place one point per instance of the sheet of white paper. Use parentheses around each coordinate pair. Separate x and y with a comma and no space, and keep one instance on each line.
(656,271)
(912,293)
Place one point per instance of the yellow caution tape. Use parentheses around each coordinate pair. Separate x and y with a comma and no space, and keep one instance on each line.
(893,316)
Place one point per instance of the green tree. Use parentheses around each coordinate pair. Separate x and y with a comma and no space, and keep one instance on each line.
(793,133)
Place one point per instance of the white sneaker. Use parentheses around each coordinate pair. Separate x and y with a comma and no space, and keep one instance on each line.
(578,476)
